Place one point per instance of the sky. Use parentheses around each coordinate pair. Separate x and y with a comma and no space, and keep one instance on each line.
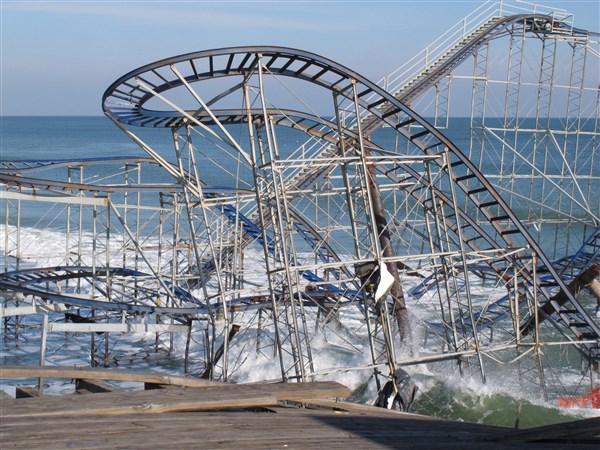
(58,57)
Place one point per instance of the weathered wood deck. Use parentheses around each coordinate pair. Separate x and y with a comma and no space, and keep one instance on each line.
(217,415)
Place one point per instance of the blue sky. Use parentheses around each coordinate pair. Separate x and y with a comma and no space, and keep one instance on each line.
(58,57)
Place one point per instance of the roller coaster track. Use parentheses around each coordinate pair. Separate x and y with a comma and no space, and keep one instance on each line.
(542,27)
(71,187)
(35,282)
(493,28)
(588,254)
(320,128)
(491,313)
(34,165)
(124,102)
(250,229)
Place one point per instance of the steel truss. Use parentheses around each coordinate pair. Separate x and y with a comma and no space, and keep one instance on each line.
(533,112)
(376,230)
(281,182)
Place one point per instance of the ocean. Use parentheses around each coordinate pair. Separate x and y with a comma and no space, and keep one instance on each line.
(49,138)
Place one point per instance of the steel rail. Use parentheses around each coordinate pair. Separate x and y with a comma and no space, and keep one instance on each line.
(444,65)
(32,165)
(26,281)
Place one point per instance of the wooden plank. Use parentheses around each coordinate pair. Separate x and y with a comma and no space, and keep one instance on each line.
(307,429)
(580,429)
(144,402)
(179,399)
(9,371)
(304,422)
(304,391)
(288,391)
(372,411)
(27,392)
(217,428)
(368,409)
(83,386)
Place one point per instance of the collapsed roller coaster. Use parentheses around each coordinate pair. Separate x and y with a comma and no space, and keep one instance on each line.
(379,230)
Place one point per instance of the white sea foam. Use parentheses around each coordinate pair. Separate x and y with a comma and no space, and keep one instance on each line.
(339,353)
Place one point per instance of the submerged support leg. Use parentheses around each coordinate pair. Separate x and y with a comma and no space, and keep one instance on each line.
(43,349)
(186,358)
(209,371)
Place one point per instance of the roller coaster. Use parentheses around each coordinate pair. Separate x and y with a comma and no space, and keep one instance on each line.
(382,237)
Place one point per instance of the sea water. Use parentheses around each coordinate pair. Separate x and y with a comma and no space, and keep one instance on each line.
(50,138)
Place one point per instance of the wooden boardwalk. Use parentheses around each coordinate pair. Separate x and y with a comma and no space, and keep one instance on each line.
(217,415)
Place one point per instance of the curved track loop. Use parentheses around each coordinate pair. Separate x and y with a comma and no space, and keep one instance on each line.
(125,101)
